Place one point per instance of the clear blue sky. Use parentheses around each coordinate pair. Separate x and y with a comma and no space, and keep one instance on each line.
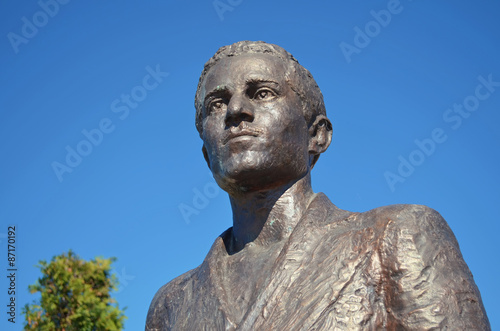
(418,71)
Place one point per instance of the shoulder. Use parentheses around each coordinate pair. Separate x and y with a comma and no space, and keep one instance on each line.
(407,216)
(175,301)
(404,212)
(168,296)
(421,258)
(397,229)
(409,219)
(390,222)
(172,288)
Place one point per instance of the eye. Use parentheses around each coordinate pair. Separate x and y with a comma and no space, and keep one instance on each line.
(264,94)
(217,105)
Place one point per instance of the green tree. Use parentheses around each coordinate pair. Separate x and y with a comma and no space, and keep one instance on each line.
(75,295)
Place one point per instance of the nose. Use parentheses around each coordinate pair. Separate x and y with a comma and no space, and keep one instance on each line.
(238,110)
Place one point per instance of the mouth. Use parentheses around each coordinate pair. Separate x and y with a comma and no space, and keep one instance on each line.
(236,132)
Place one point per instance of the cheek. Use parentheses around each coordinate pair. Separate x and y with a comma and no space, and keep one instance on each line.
(212,131)
(212,137)
(295,130)
(295,143)
(209,145)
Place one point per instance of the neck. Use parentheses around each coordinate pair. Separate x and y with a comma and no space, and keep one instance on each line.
(267,217)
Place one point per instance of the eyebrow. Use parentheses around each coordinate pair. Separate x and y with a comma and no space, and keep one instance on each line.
(223,89)
(260,81)
(220,89)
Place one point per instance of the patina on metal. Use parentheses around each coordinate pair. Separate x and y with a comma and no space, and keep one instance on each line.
(292,260)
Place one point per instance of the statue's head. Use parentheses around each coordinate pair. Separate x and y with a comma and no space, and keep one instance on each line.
(261,116)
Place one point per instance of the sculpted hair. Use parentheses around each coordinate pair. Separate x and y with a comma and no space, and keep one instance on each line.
(298,78)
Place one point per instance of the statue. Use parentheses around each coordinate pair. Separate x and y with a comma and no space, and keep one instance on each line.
(293,260)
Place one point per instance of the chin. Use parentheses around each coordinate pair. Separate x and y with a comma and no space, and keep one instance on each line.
(253,179)
(254,171)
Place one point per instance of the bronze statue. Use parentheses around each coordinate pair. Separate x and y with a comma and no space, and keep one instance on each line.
(293,260)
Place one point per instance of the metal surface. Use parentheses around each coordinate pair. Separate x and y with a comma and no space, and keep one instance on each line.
(293,260)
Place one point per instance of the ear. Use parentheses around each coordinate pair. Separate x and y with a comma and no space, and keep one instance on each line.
(205,155)
(320,133)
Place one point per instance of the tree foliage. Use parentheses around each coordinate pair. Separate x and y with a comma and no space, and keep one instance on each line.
(75,295)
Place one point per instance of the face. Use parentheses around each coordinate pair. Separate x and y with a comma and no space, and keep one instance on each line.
(254,132)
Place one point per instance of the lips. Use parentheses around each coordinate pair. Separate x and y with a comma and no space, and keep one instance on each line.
(240,131)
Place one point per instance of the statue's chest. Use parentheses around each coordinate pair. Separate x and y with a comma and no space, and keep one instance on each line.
(327,282)
(320,282)
(246,275)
